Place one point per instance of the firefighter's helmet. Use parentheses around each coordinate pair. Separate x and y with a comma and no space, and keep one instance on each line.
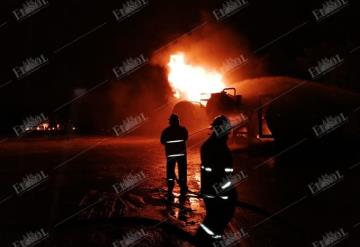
(220,121)
(174,119)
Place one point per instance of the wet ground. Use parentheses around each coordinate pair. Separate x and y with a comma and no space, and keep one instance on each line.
(78,205)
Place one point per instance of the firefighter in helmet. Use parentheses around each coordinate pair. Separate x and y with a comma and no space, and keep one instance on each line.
(216,176)
(174,138)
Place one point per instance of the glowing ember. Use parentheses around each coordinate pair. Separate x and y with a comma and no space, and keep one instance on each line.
(192,82)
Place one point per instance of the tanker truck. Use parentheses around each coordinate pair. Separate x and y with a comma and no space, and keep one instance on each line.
(278,108)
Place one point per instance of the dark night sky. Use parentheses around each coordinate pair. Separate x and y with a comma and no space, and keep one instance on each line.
(90,59)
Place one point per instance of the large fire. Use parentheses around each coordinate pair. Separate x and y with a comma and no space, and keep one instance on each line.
(192,83)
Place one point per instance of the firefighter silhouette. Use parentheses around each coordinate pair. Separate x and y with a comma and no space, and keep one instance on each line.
(216,186)
(174,138)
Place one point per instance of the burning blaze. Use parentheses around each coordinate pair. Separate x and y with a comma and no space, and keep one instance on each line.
(192,82)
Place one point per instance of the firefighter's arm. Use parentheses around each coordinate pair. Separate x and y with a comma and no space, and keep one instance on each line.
(206,164)
(228,166)
(186,134)
(163,138)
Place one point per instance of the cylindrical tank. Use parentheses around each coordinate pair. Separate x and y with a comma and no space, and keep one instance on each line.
(292,107)
(223,103)
(191,115)
(294,115)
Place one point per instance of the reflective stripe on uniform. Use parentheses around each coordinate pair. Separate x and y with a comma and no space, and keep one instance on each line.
(207,230)
(209,196)
(226,185)
(229,169)
(170,179)
(208,169)
(174,141)
(175,155)
(224,197)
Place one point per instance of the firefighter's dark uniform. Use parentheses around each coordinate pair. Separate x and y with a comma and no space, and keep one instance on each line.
(174,138)
(216,189)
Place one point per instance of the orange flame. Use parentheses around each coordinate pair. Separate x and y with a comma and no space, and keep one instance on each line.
(192,82)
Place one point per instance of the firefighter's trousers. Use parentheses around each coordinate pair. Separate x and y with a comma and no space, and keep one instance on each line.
(219,213)
(182,171)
